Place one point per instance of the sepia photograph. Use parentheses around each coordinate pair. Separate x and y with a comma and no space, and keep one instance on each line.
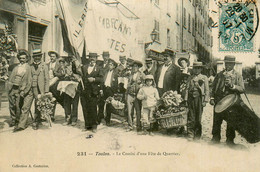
(129,85)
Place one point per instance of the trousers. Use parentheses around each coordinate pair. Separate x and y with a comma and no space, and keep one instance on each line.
(194,128)
(89,108)
(134,104)
(147,117)
(20,107)
(216,129)
(71,107)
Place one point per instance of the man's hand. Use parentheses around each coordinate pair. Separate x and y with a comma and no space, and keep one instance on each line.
(185,103)
(91,79)
(22,93)
(212,102)
(204,104)
(228,83)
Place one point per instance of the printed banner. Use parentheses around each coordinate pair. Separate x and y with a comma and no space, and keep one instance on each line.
(103,26)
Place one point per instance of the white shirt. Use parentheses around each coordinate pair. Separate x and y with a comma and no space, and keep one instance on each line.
(52,66)
(108,79)
(90,69)
(161,78)
(134,76)
(21,69)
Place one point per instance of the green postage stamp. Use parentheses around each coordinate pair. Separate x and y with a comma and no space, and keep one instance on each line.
(238,23)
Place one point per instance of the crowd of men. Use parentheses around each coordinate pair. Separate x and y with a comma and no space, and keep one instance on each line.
(96,81)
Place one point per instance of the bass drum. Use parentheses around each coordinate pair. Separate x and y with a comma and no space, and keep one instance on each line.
(240,117)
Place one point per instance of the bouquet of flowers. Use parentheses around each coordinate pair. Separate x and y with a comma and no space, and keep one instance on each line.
(45,105)
(171,102)
(117,104)
(171,99)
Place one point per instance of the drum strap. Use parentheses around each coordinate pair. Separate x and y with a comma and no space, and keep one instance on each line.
(249,102)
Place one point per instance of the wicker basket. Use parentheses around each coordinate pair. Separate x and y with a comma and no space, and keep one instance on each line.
(173,119)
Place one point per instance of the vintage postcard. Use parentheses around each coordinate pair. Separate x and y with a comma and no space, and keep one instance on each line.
(129,85)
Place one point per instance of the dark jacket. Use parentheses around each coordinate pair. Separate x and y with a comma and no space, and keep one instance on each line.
(40,77)
(172,78)
(218,87)
(152,71)
(92,88)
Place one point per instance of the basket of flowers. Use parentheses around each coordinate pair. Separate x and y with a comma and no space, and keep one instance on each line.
(45,105)
(171,111)
(117,102)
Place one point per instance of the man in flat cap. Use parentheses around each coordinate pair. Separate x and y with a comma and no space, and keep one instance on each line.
(92,79)
(226,82)
(168,75)
(136,80)
(40,82)
(20,92)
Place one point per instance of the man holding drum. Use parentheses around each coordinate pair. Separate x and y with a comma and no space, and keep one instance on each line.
(225,83)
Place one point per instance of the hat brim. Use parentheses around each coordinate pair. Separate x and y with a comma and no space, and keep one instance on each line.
(37,54)
(139,64)
(53,52)
(183,58)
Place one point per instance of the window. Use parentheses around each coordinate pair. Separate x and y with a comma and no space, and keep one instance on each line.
(189,23)
(168,38)
(193,27)
(184,17)
(157,29)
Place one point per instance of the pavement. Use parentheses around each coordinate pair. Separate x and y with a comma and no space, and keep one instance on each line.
(66,148)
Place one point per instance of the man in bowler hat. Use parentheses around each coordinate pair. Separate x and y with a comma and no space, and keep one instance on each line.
(226,82)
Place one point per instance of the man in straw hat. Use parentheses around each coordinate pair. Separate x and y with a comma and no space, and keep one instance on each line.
(122,65)
(92,79)
(110,87)
(168,75)
(53,67)
(40,82)
(197,96)
(135,82)
(150,66)
(226,82)
(19,92)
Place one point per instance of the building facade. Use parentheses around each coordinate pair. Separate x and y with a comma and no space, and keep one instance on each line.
(32,21)
(181,25)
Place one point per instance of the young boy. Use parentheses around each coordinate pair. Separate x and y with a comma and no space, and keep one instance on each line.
(149,96)
(197,95)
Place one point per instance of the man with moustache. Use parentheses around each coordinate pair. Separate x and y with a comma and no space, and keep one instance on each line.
(110,87)
(92,79)
(19,92)
(135,82)
(40,82)
(53,67)
(168,75)
(226,82)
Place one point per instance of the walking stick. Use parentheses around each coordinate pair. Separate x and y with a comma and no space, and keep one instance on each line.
(30,112)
